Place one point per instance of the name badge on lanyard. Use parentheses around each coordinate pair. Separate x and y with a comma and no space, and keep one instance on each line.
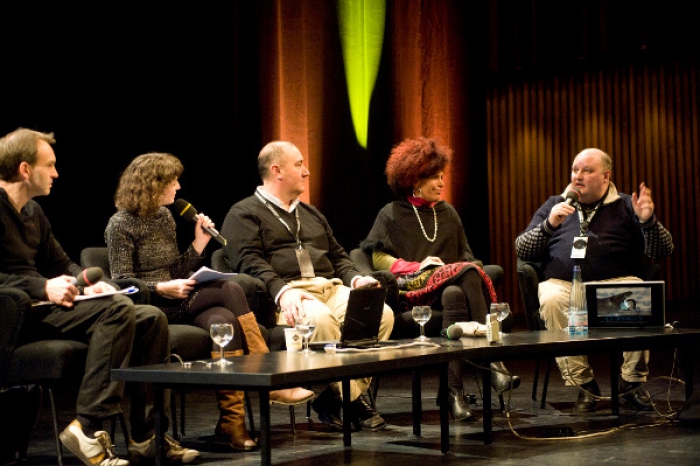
(578,251)
(304,260)
(303,257)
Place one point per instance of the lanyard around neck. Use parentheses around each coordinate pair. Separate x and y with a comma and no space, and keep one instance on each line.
(584,223)
(274,212)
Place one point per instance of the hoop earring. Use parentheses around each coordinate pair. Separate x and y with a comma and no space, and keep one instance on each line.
(420,192)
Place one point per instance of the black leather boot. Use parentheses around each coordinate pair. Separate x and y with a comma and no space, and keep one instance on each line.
(587,399)
(635,396)
(500,381)
(458,406)
(365,417)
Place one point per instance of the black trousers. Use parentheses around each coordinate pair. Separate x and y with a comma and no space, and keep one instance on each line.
(119,334)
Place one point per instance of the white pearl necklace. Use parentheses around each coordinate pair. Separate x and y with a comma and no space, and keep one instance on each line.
(423,228)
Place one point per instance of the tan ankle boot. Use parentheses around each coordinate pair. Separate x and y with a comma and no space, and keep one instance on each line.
(256,345)
(253,339)
(231,425)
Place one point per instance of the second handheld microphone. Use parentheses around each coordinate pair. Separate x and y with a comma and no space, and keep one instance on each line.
(88,277)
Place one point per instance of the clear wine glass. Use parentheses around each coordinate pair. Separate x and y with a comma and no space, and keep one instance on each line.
(502,311)
(222,334)
(421,314)
(305,325)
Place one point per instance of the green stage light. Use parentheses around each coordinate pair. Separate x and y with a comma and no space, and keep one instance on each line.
(361,25)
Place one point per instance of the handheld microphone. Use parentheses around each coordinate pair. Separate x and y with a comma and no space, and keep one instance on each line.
(88,277)
(572,196)
(453,332)
(188,212)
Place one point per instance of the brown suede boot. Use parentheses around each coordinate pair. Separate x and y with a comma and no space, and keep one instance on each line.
(256,345)
(231,425)
(252,338)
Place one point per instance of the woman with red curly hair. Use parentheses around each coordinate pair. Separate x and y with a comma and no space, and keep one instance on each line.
(421,240)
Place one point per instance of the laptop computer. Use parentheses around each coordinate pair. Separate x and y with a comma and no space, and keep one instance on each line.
(630,304)
(363,317)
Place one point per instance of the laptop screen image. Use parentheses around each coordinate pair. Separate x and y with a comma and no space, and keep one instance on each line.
(626,304)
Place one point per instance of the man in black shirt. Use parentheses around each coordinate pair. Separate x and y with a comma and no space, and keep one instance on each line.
(289,245)
(118,332)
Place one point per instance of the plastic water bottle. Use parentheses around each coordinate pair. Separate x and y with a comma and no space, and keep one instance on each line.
(578,310)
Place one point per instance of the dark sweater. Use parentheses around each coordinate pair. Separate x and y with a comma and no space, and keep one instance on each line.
(396,231)
(617,242)
(29,253)
(261,246)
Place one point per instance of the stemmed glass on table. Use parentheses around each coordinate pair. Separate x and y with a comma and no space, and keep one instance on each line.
(421,314)
(502,311)
(222,334)
(305,325)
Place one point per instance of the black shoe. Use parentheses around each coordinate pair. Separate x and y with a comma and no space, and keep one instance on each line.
(328,406)
(458,406)
(635,396)
(365,417)
(500,381)
(587,399)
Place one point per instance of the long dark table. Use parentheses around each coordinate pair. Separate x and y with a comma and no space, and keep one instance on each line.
(272,371)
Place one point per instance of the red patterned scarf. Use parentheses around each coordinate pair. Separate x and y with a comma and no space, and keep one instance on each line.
(423,287)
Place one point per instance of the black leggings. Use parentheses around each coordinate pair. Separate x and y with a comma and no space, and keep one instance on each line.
(463,301)
(217,302)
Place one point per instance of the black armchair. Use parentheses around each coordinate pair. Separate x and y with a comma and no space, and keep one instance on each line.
(48,364)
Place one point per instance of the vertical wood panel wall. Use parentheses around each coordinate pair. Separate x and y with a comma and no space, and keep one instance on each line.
(647,117)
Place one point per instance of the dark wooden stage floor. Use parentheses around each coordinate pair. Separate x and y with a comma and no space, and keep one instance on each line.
(529,436)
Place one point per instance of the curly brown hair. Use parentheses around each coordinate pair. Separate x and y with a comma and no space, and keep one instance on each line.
(412,160)
(144,181)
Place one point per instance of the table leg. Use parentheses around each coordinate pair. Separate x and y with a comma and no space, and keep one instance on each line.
(416,404)
(486,384)
(264,440)
(614,384)
(444,411)
(347,410)
(687,363)
(159,414)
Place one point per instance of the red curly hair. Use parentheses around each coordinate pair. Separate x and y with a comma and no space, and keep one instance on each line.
(413,160)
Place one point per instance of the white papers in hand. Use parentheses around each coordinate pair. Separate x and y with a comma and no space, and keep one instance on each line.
(205,274)
(83,297)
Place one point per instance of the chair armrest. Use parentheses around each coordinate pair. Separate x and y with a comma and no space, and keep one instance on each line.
(363,261)
(528,283)
(495,273)
(143,296)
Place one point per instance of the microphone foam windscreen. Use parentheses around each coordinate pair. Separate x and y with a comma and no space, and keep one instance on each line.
(89,276)
(453,332)
(185,209)
(573,195)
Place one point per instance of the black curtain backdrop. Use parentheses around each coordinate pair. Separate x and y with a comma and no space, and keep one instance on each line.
(212,83)
(115,82)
